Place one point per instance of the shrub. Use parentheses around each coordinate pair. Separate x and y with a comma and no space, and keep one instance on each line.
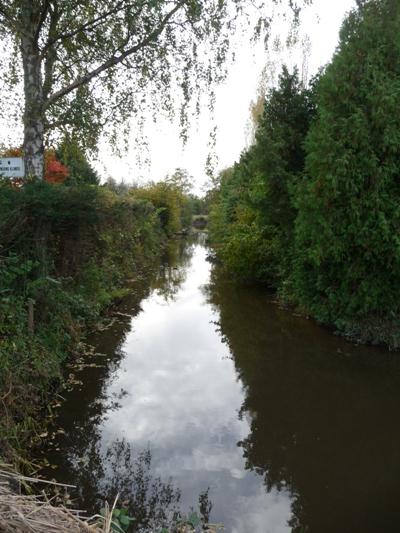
(68,251)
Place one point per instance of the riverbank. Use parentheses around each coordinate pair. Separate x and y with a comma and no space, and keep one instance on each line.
(65,256)
(209,383)
(373,330)
(311,206)
(29,512)
(35,514)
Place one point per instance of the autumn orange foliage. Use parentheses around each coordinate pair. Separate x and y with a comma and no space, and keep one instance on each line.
(54,171)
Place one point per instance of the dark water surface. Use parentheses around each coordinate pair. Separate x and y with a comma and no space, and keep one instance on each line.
(211,385)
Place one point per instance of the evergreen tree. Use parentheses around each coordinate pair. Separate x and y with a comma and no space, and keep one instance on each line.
(279,159)
(254,217)
(348,228)
(80,170)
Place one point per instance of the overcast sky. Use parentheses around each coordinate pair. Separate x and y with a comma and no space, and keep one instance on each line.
(320,23)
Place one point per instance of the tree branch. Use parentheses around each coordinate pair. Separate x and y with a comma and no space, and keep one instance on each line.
(43,15)
(122,4)
(4,10)
(115,60)
(51,54)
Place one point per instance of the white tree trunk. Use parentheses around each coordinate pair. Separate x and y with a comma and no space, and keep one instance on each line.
(33,116)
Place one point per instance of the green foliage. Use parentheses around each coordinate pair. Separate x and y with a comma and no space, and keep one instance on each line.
(181,180)
(347,268)
(253,215)
(313,207)
(67,250)
(120,519)
(192,522)
(80,170)
(171,201)
(198,206)
(105,61)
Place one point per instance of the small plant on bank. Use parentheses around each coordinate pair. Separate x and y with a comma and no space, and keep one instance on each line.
(119,519)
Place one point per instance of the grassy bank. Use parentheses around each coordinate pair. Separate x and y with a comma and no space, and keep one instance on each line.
(65,253)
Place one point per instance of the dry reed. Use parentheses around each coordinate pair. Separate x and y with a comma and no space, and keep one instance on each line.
(25,513)
(22,513)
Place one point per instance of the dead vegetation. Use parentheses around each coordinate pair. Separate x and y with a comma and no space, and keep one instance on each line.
(24,513)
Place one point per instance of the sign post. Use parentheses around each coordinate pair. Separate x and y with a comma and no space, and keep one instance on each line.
(12,167)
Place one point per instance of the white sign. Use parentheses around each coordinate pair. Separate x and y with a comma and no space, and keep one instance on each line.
(12,167)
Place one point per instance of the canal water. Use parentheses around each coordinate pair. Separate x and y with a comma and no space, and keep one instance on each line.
(202,390)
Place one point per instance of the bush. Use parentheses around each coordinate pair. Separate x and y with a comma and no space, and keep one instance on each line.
(172,204)
(68,250)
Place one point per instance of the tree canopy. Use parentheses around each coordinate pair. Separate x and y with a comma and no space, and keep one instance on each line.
(254,214)
(312,207)
(347,232)
(87,64)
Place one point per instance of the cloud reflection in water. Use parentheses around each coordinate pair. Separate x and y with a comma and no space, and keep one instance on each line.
(183,401)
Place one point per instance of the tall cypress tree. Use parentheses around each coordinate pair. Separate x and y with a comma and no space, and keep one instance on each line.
(348,227)
(255,213)
(279,158)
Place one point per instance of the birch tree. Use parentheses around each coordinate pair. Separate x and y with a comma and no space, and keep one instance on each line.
(86,63)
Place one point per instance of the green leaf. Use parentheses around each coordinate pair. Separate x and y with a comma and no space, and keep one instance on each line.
(194,519)
(125,520)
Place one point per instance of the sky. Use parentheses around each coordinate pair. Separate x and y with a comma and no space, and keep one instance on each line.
(320,25)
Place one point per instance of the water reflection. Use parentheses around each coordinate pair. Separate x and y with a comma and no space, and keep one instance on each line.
(80,454)
(172,271)
(209,385)
(323,415)
(168,386)
(153,502)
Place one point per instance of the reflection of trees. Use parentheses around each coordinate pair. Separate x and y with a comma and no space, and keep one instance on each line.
(118,471)
(173,269)
(151,501)
(322,415)
(103,475)
(85,408)
(82,461)
(77,453)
